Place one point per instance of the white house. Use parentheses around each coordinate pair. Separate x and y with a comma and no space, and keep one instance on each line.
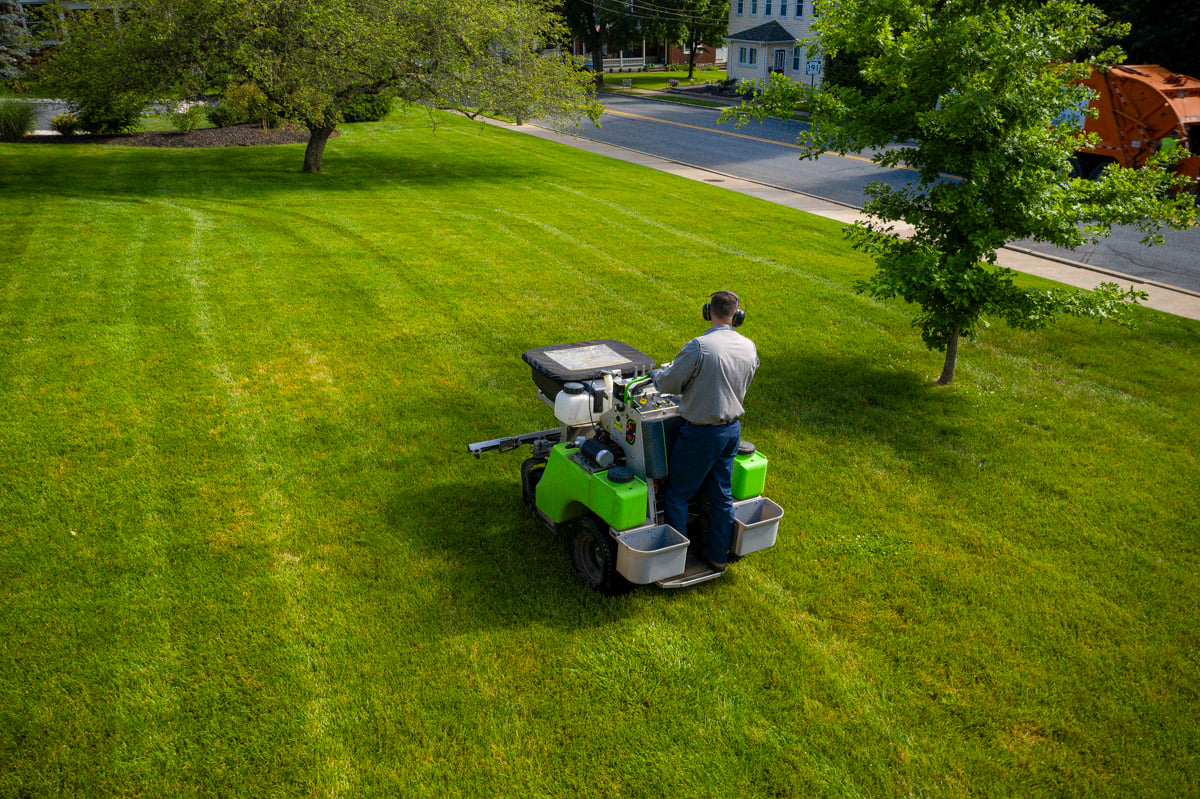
(764,37)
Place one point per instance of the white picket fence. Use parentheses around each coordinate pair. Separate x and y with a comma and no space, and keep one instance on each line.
(624,63)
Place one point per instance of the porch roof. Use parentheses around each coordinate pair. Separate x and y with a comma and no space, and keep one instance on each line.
(767,33)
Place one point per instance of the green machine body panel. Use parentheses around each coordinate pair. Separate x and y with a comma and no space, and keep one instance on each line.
(567,490)
(749,475)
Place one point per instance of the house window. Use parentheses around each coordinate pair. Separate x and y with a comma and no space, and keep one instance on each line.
(741,6)
(798,60)
(799,8)
(783,8)
(767,8)
(41,20)
(753,56)
(741,55)
(754,7)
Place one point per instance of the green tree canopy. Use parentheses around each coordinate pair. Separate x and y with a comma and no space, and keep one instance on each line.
(1165,32)
(313,58)
(692,23)
(976,97)
(601,24)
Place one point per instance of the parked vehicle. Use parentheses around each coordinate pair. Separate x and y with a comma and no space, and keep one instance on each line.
(1139,108)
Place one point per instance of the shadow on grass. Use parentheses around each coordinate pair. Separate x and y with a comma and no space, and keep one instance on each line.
(241,173)
(863,402)
(502,566)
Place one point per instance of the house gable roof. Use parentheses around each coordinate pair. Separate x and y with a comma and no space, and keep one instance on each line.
(767,33)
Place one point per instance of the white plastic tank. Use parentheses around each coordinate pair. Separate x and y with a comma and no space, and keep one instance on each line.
(573,405)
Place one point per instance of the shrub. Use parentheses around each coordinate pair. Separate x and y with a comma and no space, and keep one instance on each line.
(16,119)
(368,108)
(110,115)
(250,104)
(67,124)
(185,119)
(222,115)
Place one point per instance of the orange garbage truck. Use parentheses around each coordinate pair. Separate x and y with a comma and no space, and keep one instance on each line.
(1139,107)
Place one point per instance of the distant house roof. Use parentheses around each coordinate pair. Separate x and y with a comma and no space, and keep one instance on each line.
(767,33)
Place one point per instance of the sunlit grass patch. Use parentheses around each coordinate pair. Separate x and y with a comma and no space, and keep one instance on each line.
(244,549)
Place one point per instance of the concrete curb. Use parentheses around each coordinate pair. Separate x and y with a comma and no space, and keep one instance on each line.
(1180,302)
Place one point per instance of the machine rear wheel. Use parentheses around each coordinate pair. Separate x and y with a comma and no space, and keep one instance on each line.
(594,555)
(531,474)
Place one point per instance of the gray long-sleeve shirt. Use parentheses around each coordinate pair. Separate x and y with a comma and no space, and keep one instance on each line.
(711,374)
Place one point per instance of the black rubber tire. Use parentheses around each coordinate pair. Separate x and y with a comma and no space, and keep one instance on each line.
(1079,167)
(594,555)
(532,470)
(1098,170)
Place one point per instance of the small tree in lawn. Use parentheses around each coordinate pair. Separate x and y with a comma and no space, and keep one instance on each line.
(692,23)
(313,58)
(976,97)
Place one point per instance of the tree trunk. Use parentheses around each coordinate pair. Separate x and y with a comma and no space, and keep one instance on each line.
(598,63)
(316,148)
(951,359)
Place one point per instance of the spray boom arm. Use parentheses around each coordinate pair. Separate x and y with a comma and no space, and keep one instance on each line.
(510,443)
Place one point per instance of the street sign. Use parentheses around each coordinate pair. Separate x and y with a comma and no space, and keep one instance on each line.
(626,82)
(813,67)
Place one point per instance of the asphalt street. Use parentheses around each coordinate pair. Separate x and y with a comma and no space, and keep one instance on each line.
(766,152)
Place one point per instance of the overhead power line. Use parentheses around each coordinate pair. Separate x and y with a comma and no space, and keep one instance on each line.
(640,11)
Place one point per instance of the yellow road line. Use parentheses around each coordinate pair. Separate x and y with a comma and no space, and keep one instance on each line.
(736,135)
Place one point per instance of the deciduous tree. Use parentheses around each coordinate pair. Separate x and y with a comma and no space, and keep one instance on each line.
(1165,32)
(313,58)
(975,96)
(601,24)
(692,23)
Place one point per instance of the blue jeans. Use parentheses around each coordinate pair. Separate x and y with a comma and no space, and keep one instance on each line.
(702,458)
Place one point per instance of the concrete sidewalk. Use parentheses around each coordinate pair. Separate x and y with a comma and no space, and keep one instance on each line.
(1180,302)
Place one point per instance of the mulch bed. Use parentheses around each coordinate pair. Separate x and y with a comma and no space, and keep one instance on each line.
(233,136)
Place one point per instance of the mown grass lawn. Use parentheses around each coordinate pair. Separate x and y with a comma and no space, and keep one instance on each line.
(660,80)
(244,552)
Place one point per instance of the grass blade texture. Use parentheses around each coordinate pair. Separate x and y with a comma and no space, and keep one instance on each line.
(244,552)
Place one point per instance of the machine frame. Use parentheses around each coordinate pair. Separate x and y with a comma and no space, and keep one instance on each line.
(597,476)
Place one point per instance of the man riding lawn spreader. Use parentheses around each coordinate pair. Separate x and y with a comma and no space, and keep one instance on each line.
(632,437)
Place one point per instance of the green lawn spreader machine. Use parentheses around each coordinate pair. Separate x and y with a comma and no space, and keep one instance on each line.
(597,476)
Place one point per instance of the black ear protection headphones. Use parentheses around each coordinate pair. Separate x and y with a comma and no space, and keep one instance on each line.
(739,315)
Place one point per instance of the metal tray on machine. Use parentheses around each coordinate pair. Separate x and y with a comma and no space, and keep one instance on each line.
(557,364)
(756,523)
(652,553)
